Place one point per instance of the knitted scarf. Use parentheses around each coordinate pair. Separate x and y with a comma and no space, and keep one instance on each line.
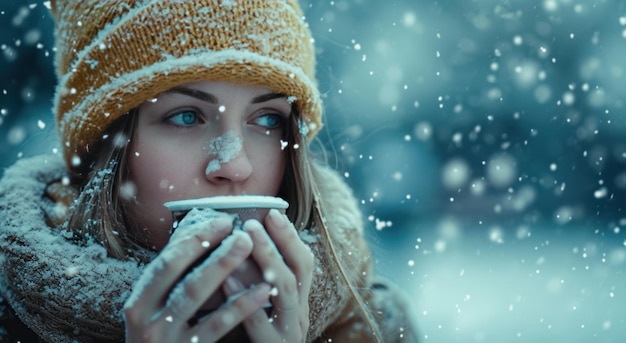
(68,293)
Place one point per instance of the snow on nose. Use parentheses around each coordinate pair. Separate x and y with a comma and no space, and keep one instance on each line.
(224,148)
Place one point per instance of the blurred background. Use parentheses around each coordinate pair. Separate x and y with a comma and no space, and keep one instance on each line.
(485,140)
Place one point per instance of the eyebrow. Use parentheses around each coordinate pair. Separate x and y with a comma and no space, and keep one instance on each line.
(267,97)
(194,93)
(204,96)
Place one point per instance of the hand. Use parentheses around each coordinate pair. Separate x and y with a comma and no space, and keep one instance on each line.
(161,305)
(287,264)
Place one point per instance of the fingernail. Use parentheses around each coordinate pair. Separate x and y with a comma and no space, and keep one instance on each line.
(260,293)
(232,286)
(240,242)
(252,223)
(276,216)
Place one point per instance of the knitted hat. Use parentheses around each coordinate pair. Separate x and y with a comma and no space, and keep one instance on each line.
(112,55)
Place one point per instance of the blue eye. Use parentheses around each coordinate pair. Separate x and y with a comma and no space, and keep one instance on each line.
(184,118)
(270,121)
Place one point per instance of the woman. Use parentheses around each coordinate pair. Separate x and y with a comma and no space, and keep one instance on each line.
(168,100)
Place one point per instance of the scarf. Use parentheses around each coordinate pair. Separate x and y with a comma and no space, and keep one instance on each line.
(70,293)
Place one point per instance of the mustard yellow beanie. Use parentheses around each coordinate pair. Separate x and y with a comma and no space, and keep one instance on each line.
(112,55)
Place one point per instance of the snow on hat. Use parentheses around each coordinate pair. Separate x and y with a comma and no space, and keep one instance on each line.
(112,55)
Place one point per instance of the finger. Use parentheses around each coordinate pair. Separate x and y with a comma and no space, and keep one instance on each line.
(202,228)
(297,255)
(259,328)
(242,304)
(262,329)
(285,296)
(191,293)
(282,232)
(158,278)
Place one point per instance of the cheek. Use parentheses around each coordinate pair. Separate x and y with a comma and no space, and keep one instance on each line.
(269,165)
(157,177)
(160,171)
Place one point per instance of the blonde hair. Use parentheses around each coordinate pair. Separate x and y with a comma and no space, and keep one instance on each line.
(303,171)
(99,214)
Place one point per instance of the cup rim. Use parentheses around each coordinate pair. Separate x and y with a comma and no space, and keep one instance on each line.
(228,202)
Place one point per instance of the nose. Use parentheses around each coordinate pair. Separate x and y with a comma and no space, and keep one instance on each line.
(228,160)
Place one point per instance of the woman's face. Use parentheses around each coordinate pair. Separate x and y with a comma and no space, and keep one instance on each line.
(203,139)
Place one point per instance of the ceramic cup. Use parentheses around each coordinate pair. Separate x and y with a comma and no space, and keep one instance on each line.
(242,208)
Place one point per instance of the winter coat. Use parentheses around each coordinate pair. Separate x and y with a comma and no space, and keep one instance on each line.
(56,290)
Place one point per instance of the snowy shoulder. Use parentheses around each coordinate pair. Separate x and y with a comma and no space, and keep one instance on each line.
(41,269)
